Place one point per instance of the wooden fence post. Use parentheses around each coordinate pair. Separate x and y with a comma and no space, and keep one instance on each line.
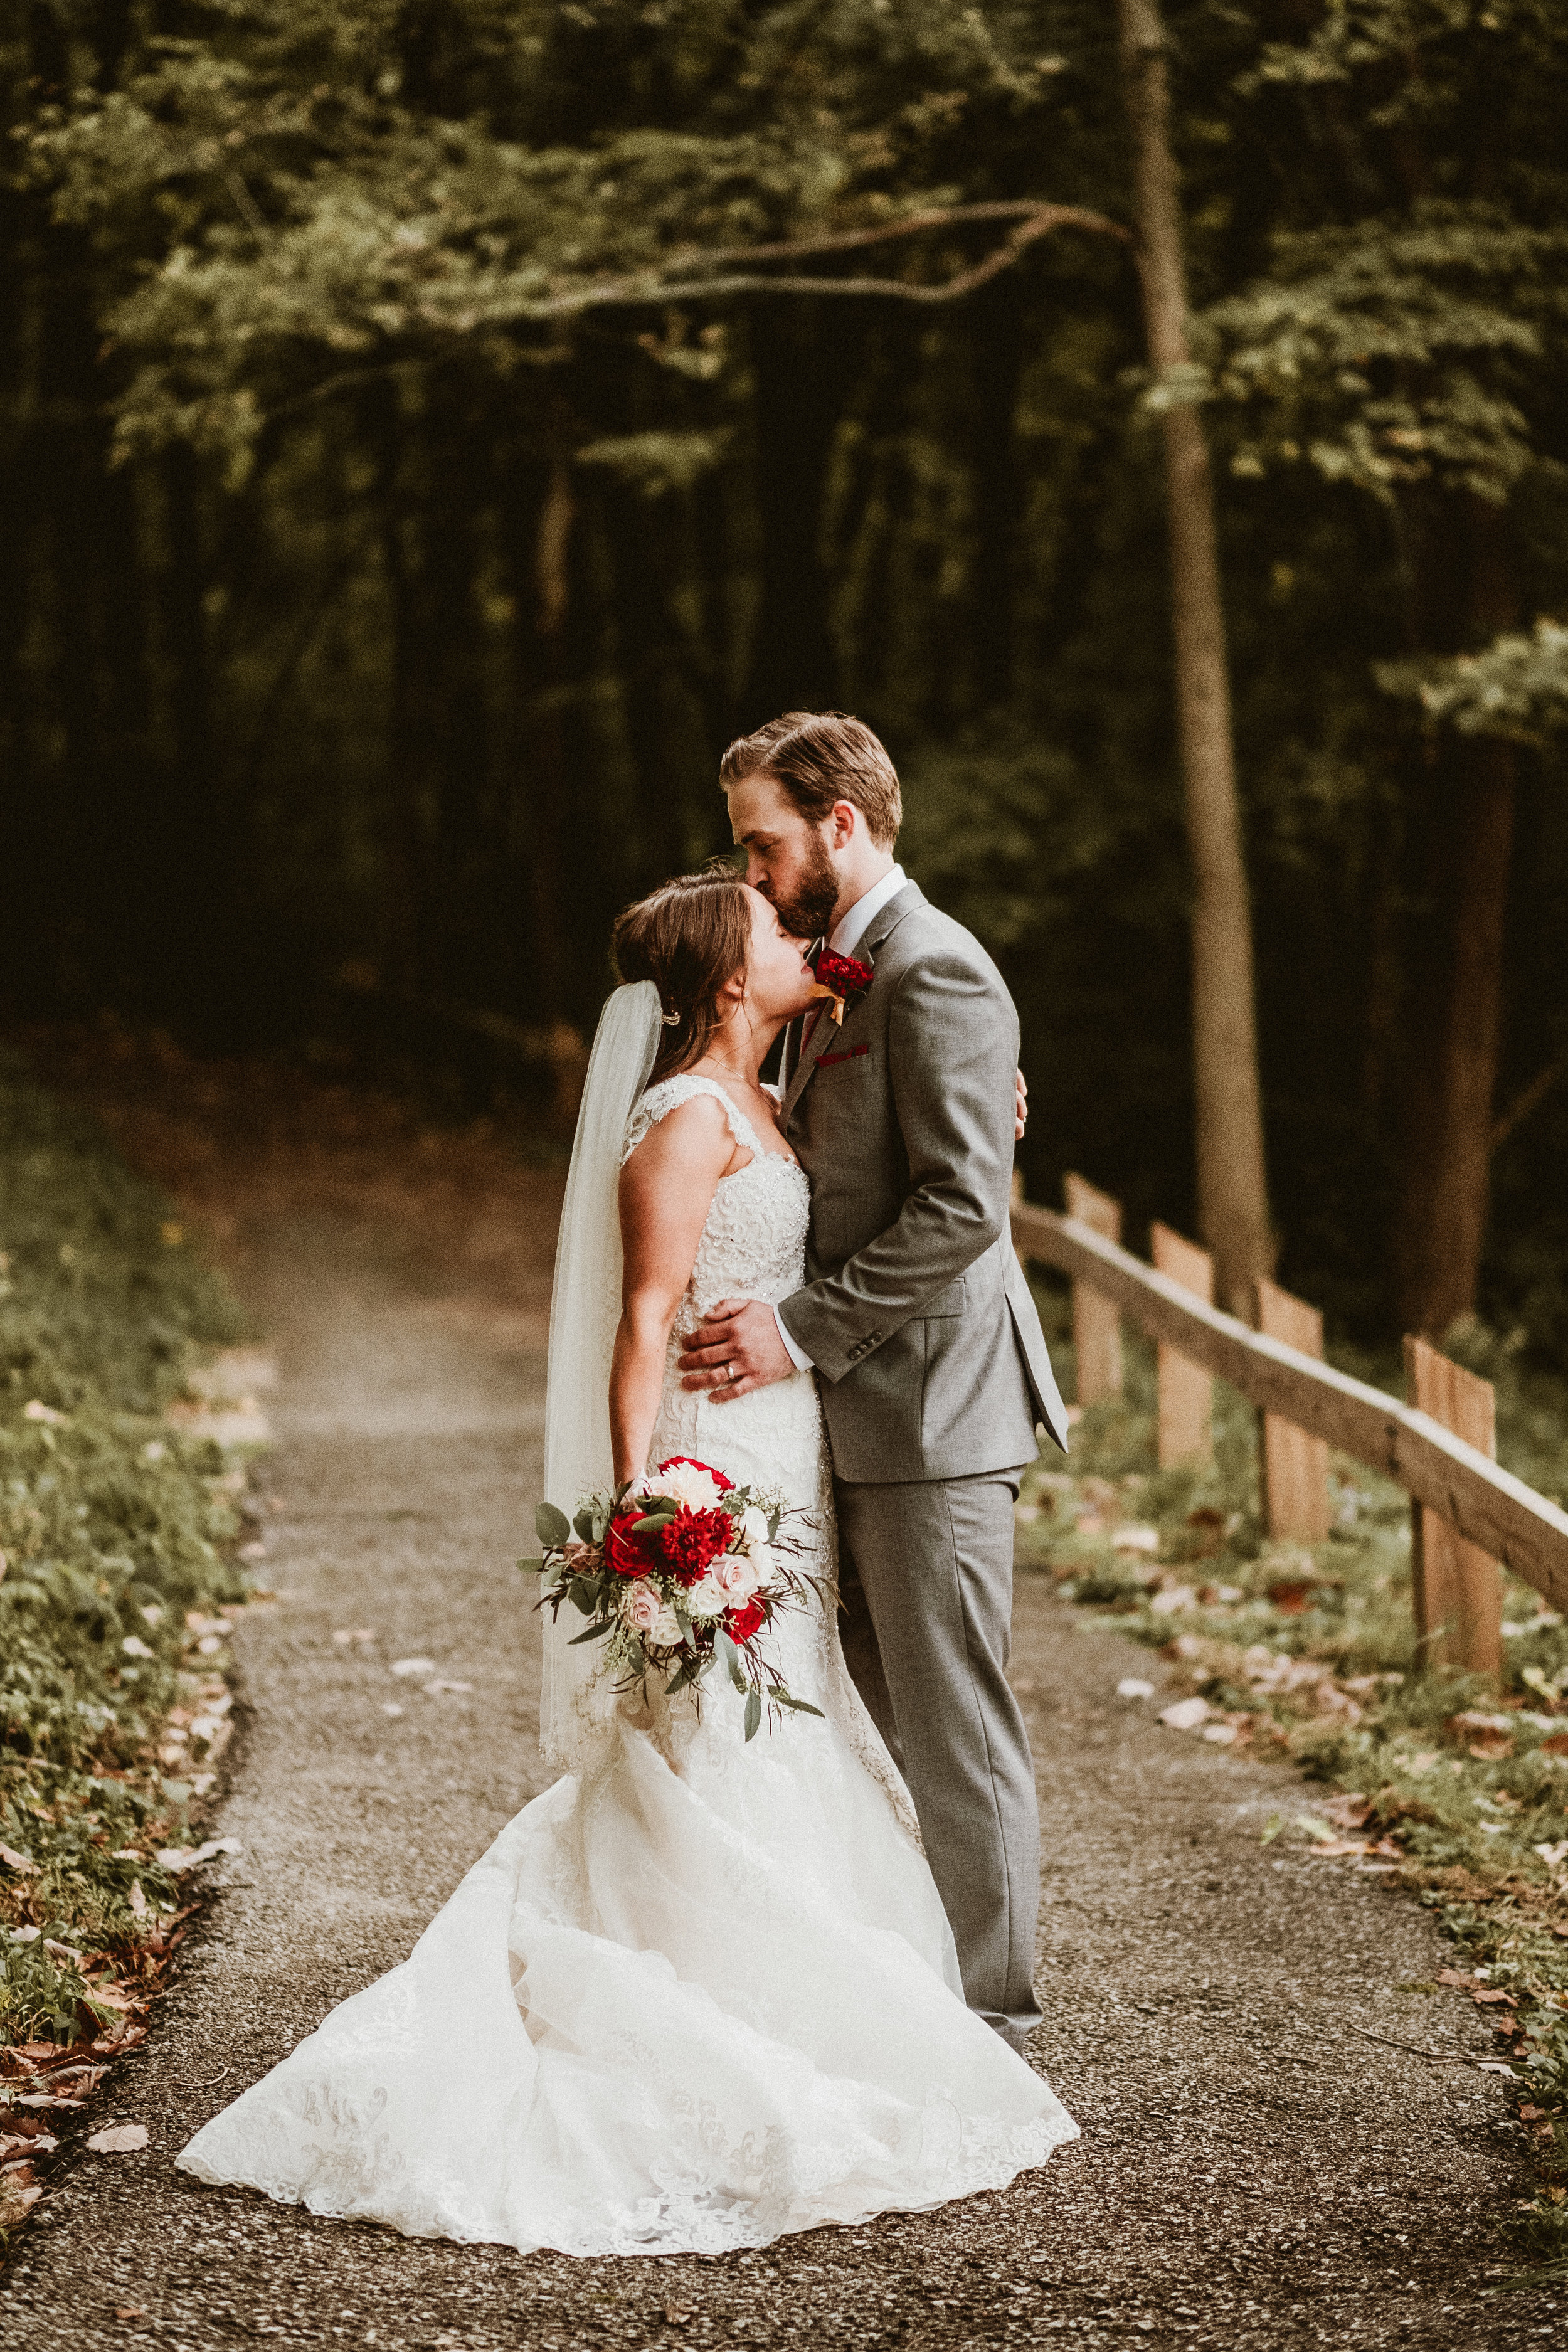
(1295,1467)
(1458,1588)
(1096,1325)
(1187,1393)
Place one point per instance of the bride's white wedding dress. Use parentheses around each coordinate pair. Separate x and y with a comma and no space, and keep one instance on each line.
(697,1994)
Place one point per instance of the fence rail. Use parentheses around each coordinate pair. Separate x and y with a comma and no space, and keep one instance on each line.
(1484,1505)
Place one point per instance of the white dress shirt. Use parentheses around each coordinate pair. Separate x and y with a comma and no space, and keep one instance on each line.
(844,937)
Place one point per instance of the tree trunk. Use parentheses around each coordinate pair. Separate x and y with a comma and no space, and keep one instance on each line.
(1233,1199)
(1457,1032)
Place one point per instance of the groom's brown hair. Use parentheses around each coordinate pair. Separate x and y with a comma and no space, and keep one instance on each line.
(818,757)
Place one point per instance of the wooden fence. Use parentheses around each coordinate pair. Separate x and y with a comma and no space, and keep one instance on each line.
(1468,1513)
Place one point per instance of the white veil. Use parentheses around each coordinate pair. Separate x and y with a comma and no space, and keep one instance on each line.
(585,1308)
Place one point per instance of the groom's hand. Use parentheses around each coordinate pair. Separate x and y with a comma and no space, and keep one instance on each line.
(1020,1107)
(734,1349)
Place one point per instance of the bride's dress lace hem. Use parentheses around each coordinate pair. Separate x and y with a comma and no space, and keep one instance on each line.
(699,1994)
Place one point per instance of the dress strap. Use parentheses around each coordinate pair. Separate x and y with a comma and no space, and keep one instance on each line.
(669,1094)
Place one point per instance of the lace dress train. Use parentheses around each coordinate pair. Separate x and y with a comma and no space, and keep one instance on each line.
(697,1994)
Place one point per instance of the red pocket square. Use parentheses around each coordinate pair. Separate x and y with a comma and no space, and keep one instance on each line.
(850,1053)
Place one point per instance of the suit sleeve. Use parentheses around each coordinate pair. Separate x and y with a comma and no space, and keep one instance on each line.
(953,1050)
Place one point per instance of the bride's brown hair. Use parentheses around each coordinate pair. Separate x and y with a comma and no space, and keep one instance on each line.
(689,938)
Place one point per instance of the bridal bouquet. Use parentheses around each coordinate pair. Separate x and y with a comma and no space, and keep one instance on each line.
(678,1572)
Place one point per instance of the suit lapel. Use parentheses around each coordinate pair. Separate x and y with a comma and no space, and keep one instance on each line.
(879,931)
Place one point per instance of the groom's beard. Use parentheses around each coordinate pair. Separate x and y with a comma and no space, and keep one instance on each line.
(807,912)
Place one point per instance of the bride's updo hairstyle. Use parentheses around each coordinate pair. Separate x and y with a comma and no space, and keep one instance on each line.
(689,938)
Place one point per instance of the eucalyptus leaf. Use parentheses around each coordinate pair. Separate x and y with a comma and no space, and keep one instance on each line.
(551,1526)
(730,1656)
(584,1525)
(593,1632)
(584,1595)
(534,1568)
(753,1712)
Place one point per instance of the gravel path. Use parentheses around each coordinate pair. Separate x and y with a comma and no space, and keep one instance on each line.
(1252,2172)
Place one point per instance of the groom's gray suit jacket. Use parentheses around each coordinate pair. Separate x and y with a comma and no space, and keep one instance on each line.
(915,1310)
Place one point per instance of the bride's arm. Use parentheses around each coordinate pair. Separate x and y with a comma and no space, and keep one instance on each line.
(667,1189)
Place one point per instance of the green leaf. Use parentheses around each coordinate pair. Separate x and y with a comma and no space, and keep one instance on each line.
(774,1519)
(584,1594)
(583,1524)
(532,1567)
(801,1706)
(551,1526)
(731,1657)
(753,1712)
(683,1674)
(652,1524)
(594,1633)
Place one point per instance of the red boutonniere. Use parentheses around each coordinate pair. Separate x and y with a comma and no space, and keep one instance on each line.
(839,978)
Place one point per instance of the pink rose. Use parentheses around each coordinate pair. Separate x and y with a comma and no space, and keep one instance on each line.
(646,1613)
(736,1576)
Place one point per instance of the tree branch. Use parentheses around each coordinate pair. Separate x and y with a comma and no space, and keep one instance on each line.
(1524,1102)
(1034,220)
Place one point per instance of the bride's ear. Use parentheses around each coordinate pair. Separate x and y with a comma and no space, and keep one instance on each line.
(732,994)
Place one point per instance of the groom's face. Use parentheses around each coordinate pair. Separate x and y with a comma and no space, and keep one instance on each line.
(787,856)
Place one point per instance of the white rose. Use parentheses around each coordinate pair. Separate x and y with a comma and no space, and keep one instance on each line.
(753,1531)
(685,1483)
(704,1598)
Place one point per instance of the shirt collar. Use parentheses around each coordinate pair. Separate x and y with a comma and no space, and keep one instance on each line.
(852,928)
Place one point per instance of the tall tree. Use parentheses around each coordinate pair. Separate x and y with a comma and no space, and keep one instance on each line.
(1233,1194)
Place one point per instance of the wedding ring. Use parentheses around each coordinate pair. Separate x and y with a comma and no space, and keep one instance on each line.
(726,1381)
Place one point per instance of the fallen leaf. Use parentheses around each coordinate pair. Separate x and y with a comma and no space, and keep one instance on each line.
(15,1861)
(1135,1539)
(118,2140)
(1455,1976)
(1484,2000)
(137,1900)
(1186,1714)
(130,2311)
(1556,1746)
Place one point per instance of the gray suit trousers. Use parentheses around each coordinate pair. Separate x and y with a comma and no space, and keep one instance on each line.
(925,1572)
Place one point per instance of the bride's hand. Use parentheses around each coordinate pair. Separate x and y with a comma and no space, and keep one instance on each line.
(734,1349)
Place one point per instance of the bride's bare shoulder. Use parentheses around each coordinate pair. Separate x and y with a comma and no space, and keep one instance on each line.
(678,1133)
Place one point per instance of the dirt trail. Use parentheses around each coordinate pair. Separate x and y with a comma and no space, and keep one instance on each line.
(1252,2172)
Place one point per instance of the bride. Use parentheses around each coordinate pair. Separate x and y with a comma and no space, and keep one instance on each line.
(700,1993)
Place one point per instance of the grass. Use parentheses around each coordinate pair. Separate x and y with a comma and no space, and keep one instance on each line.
(118,1536)
(1308,1653)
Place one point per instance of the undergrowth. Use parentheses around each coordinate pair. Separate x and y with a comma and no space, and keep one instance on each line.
(1307,1652)
(117,1536)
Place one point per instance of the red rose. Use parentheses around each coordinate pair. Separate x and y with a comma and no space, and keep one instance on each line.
(692,1539)
(627,1554)
(689,1461)
(742,1623)
(845,975)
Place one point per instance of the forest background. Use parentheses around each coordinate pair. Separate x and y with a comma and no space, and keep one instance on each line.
(394,537)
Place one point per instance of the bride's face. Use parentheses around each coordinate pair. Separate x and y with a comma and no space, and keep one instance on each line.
(779,980)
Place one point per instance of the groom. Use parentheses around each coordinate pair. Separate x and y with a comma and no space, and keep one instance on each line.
(915,1315)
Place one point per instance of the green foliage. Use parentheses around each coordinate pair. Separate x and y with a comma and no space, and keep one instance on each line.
(1517,687)
(112,1526)
(1308,1653)
(404,599)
